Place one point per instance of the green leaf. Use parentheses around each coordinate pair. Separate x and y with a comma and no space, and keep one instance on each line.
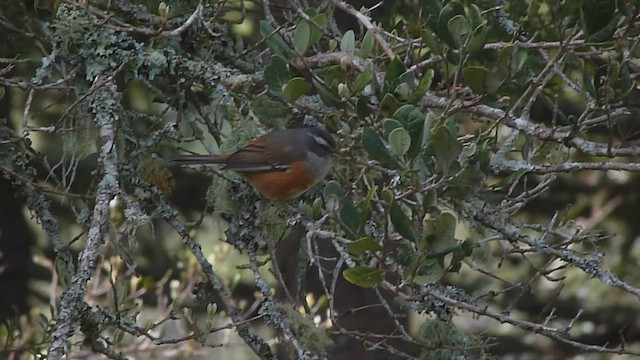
(332,194)
(430,40)
(439,232)
(475,16)
(348,42)
(333,188)
(302,37)
(423,87)
(427,271)
(389,104)
(375,84)
(459,29)
(316,208)
(403,225)
(399,141)
(362,107)
(367,45)
(392,76)
(402,92)
(478,39)
(446,148)
(266,108)
(408,78)
(467,247)
(362,80)
(362,245)
(600,19)
(364,208)
(376,149)
(349,217)
(366,277)
(430,198)
(316,34)
(450,10)
(588,76)
(466,183)
(413,121)
(509,180)
(387,195)
(274,40)
(389,125)
(295,88)
(276,74)
(481,79)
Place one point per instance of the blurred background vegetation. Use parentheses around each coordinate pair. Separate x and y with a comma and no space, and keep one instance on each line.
(483,204)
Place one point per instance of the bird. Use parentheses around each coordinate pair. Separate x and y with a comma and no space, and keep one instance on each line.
(280,165)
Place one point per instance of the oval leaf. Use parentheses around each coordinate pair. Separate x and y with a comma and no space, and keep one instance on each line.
(446,148)
(276,74)
(399,141)
(366,277)
(348,42)
(423,87)
(362,245)
(403,225)
(295,88)
(481,79)
(274,40)
(439,232)
(376,149)
(367,45)
(316,34)
(349,217)
(413,121)
(389,125)
(302,37)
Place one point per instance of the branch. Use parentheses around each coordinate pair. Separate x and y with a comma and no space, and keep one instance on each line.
(548,331)
(269,311)
(257,344)
(512,233)
(540,131)
(366,22)
(105,107)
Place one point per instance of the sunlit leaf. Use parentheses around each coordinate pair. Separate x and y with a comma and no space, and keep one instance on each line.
(295,88)
(366,277)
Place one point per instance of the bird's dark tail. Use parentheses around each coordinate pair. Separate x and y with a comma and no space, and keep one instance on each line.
(197,159)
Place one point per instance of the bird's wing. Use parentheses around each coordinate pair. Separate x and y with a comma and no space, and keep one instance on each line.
(255,157)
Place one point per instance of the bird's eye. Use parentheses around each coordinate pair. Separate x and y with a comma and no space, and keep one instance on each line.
(325,145)
(321,141)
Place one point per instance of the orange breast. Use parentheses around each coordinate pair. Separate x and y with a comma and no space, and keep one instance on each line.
(282,185)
